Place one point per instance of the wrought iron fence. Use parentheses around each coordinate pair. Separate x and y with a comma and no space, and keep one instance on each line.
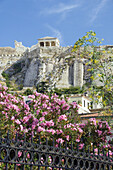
(19,154)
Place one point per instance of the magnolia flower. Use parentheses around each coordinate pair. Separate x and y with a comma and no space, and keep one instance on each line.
(40,129)
(60,140)
(51,131)
(42,119)
(21,127)
(17,121)
(62,117)
(81,145)
(13,118)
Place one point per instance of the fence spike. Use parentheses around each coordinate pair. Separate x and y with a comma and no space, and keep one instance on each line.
(98,151)
(77,148)
(108,152)
(66,145)
(93,149)
(46,141)
(6,166)
(15,167)
(103,151)
(8,135)
(24,137)
(16,137)
(0,138)
(39,139)
(82,138)
(71,146)
(83,148)
(59,144)
(88,149)
(53,142)
(32,138)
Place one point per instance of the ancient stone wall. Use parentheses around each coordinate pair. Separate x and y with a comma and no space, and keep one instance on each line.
(41,64)
(51,64)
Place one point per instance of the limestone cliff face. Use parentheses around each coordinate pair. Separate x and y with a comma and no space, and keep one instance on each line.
(31,73)
(45,64)
(7,51)
(30,66)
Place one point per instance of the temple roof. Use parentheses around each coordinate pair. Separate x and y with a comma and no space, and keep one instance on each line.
(47,38)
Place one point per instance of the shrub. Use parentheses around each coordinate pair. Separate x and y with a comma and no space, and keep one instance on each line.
(45,115)
(49,116)
(71,90)
(28,92)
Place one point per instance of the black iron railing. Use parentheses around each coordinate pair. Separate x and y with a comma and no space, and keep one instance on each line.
(22,155)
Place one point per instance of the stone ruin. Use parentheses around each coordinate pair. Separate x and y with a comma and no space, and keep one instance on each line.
(46,61)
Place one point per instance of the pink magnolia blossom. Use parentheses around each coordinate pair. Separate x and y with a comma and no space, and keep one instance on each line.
(44,105)
(38,111)
(82,125)
(28,155)
(25,119)
(25,130)
(19,153)
(21,127)
(99,132)
(62,117)
(65,107)
(49,123)
(60,140)
(44,113)
(80,130)
(67,137)
(110,153)
(59,131)
(93,120)
(32,96)
(33,127)
(13,118)
(96,151)
(1,95)
(40,129)
(15,107)
(37,94)
(43,124)
(5,88)
(81,145)
(42,119)
(77,140)
(51,131)
(17,121)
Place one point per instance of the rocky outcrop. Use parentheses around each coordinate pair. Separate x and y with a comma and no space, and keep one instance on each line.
(32,73)
(57,66)
(7,51)
(50,65)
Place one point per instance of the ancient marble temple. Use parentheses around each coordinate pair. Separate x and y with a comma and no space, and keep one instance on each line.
(46,61)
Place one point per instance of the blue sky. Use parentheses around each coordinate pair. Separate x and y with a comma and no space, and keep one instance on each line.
(28,20)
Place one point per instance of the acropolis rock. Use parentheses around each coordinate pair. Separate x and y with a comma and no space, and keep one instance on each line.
(46,61)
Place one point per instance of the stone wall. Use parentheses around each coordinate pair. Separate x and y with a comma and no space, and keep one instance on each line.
(37,64)
(41,64)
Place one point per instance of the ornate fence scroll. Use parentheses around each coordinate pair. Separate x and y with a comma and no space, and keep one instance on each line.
(22,155)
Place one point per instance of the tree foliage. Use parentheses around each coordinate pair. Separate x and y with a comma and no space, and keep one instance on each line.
(100,62)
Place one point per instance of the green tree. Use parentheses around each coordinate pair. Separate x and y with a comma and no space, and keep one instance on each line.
(99,59)
(6,76)
(42,87)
